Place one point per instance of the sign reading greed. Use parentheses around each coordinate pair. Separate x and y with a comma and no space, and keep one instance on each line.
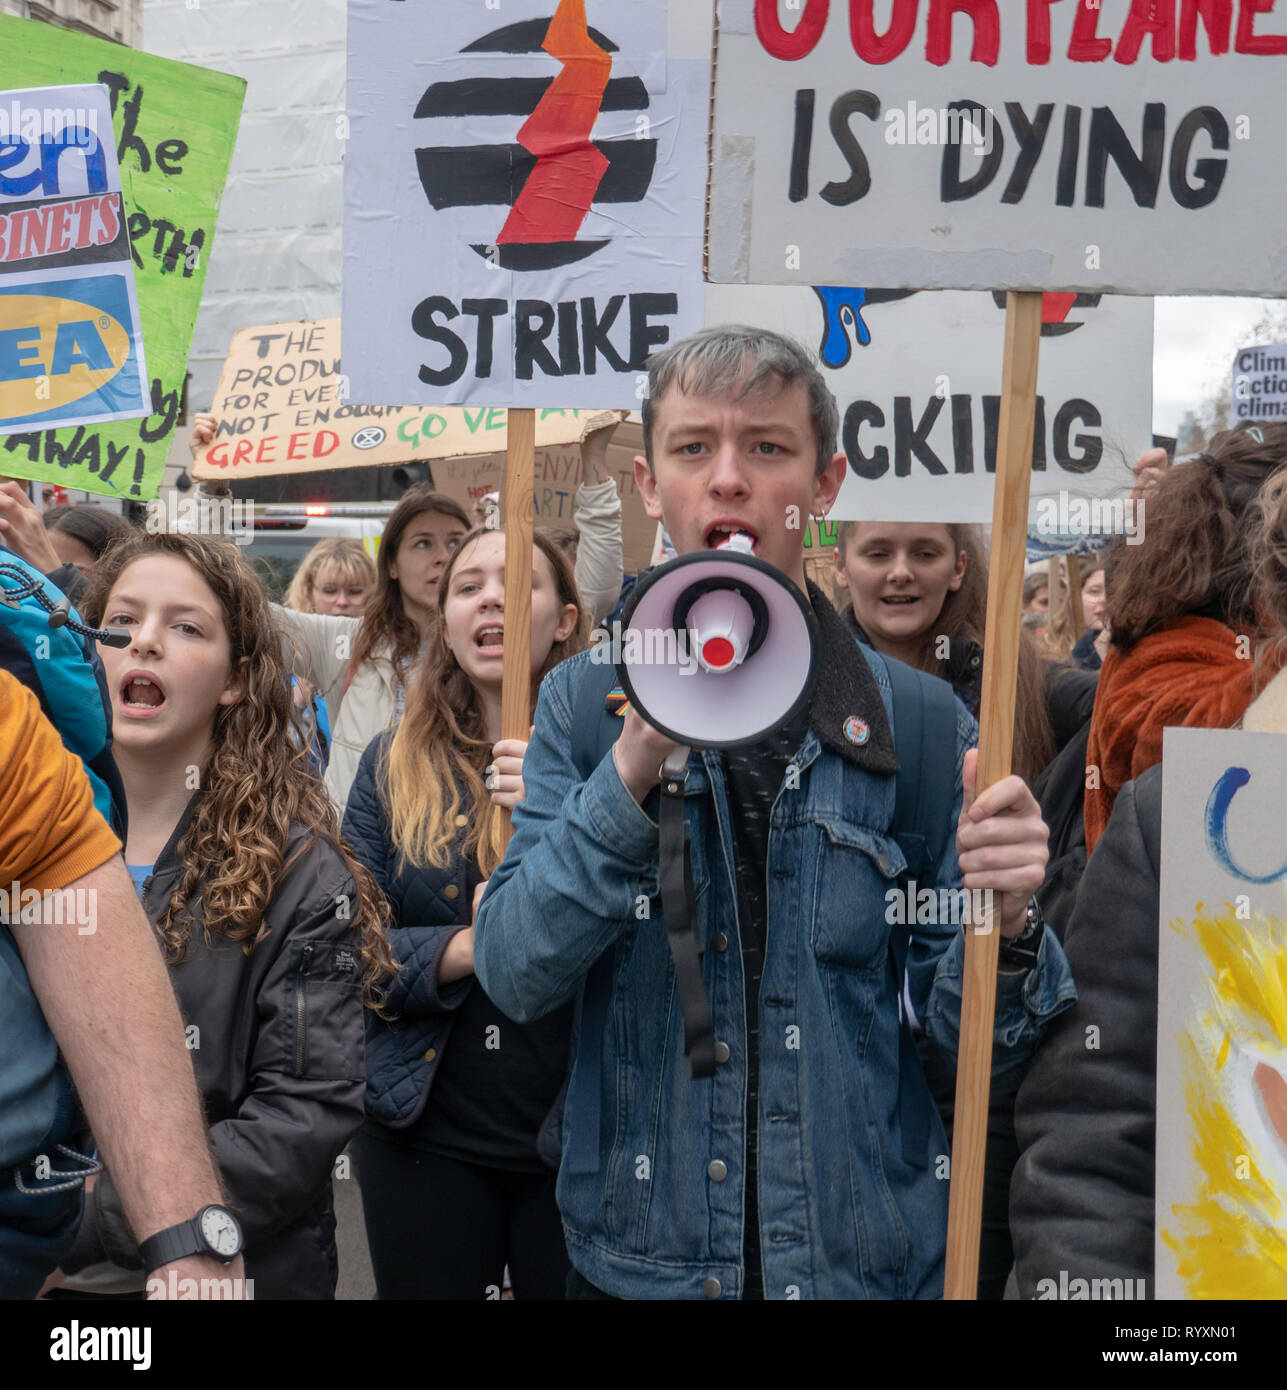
(70,348)
(282,407)
(523,195)
(1059,144)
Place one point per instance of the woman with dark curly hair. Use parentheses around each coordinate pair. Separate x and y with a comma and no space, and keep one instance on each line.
(274,932)
(1186,623)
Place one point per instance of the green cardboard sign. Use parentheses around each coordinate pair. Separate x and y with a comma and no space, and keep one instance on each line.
(175,127)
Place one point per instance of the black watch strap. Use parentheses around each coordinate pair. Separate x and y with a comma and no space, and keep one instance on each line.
(1021,951)
(187,1238)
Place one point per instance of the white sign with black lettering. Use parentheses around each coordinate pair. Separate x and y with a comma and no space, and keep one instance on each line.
(523,202)
(1260,383)
(1106,146)
(917,377)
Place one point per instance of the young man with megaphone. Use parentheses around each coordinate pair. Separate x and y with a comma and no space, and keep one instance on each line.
(746,1115)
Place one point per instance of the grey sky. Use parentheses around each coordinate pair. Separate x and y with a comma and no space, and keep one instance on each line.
(1193,346)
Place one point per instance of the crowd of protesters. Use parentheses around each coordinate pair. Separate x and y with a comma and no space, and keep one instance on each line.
(330,938)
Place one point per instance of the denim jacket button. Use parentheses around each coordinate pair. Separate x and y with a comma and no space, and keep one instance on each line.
(431,1054)
(712,1288)
(721,1052)
(720,941)
(717,1170)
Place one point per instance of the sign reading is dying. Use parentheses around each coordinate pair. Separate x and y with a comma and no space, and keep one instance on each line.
(70,348)
(1071,145)
(523,197)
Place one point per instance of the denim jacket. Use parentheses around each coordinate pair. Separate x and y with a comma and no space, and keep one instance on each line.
(657,1210)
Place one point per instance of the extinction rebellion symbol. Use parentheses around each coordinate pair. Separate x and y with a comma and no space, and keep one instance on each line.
(554,172)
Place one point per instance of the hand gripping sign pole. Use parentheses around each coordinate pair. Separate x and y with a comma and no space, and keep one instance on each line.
(996,736)
(516,663)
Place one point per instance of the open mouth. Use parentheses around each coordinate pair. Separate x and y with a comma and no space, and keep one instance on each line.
(490,638)
(724,531)
(139,692)
(901,600)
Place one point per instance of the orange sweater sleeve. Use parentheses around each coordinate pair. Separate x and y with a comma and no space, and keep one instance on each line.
(51,833)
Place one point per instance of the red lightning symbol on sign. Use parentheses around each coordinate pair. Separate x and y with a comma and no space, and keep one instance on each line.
(560,189)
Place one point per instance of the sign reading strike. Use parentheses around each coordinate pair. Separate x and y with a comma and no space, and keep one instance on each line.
(523,201)
(70,348)
(282,408)
(915,379)
(170,128)
(1260,383)
(1087,145)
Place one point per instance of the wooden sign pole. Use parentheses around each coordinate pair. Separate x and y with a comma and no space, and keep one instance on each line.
(1074,597)
(996,733)
(516,668)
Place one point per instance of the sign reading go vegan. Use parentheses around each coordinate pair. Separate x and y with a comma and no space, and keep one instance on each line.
(1081,145)
(282,407)
(174,127)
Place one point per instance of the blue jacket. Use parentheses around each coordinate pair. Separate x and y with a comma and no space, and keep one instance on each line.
(429,906)
(650,1186)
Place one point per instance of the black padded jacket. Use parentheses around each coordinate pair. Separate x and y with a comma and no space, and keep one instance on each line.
(277,1042)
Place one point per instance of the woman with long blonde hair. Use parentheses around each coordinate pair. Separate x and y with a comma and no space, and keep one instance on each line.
(460,1149)
(273,930)
(335,578)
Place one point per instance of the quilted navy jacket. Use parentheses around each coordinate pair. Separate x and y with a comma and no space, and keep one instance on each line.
(428,906)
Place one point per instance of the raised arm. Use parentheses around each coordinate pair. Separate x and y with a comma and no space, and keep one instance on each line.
(598,519)
(318,646)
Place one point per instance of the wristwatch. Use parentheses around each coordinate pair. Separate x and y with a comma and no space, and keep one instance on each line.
(1021,951)
(213,1231)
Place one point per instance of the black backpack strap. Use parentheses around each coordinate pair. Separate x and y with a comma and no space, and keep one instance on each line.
(925,734)
(594,731)
(924,792)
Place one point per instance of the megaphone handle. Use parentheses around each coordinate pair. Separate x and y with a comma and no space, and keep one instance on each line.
(678,903)
(676,763)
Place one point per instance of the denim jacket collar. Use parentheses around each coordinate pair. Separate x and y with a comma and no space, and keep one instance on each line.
(844,687)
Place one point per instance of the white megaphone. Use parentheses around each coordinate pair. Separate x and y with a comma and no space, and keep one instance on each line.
(717,647)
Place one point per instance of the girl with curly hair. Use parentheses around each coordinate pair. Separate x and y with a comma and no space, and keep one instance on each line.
(274,932)
(460,1149)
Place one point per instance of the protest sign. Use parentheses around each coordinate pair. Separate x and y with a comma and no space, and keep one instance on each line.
(1260,383)
(1095,147)
(915,377)
(523,202)
(282,408)
(175,126)
(1221,1210)
(557,476)
(70,348)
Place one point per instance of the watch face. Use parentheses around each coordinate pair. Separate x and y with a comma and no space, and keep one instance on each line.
(220,1231)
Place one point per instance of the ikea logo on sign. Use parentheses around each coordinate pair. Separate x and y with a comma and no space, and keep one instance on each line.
(72,348)
(61,356)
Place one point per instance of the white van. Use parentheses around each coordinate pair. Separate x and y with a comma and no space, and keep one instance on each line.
(285,532)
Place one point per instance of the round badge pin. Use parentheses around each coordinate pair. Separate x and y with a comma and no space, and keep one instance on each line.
(856,730)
